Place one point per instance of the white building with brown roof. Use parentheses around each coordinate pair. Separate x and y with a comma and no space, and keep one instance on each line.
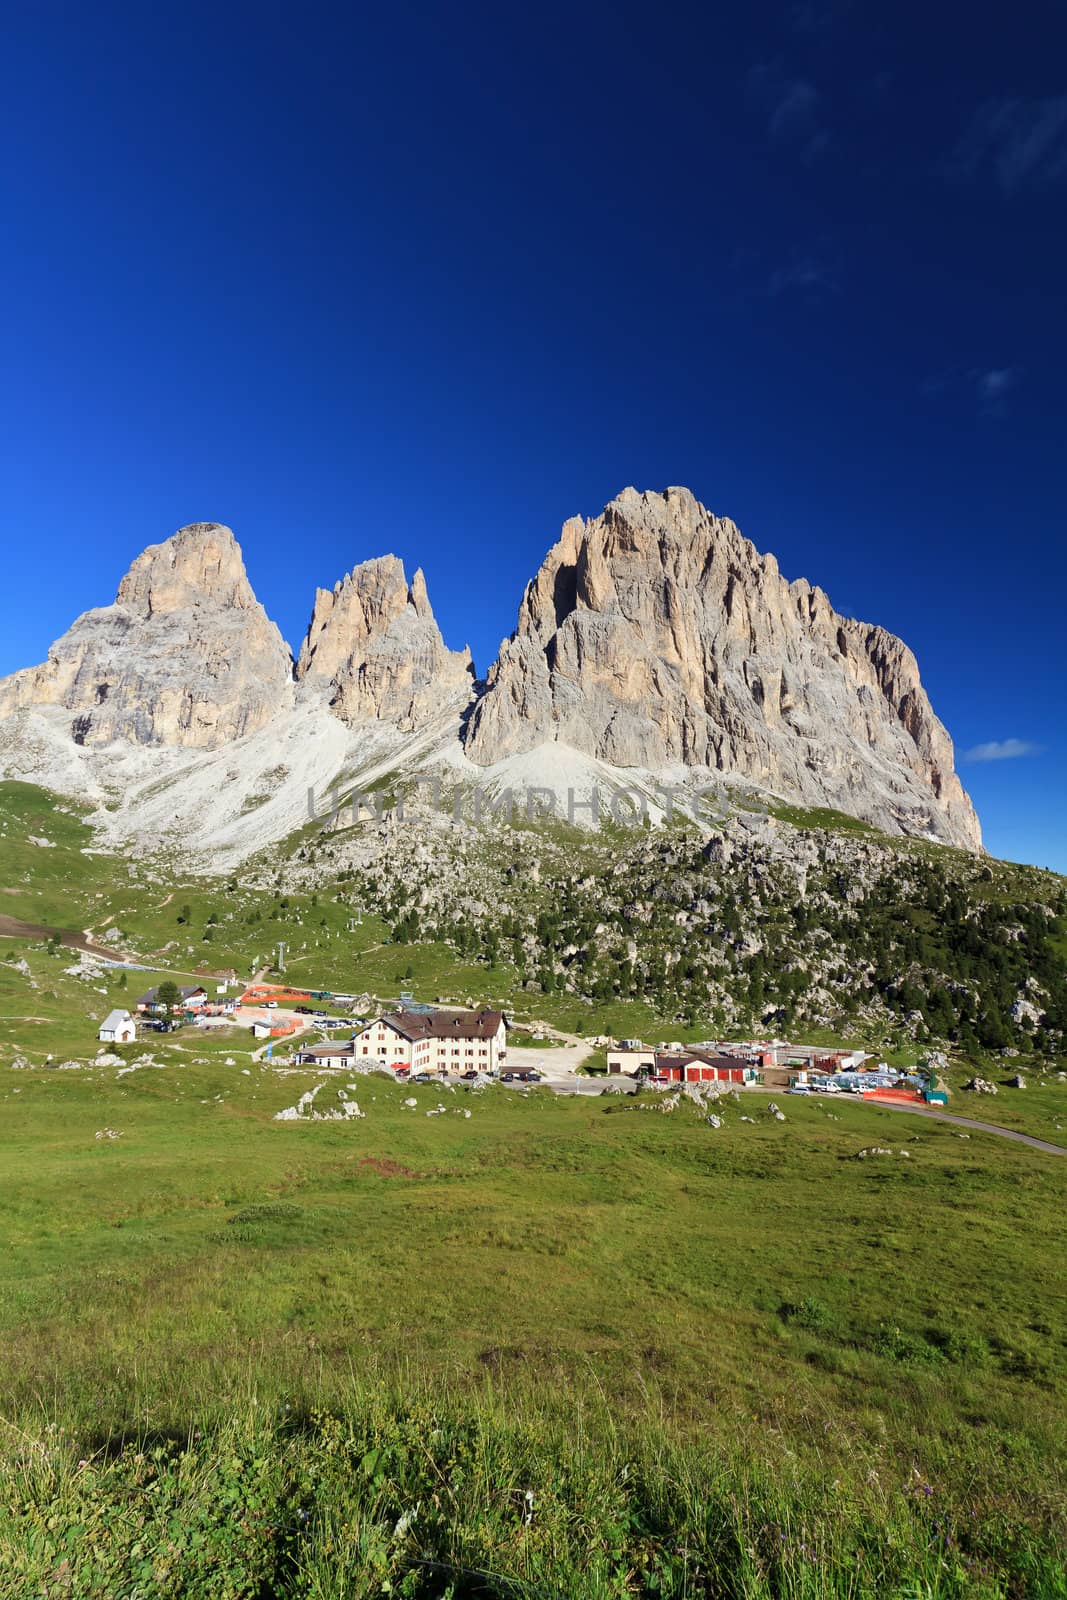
(435,1041)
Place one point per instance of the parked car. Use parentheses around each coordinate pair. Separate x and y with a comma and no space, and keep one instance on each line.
(505,1077)
(305,1011)
(468,1076)
(529,1077)
(421,1077)
(272,1005)
(800,1088)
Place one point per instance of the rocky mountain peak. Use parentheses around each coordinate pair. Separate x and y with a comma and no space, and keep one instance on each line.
(374,645)
(199,565)
(656,635)
(185,656)
(655,639)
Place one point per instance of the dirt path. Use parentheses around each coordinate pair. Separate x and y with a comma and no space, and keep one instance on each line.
(12,928)
(557,1064)
(556,1033)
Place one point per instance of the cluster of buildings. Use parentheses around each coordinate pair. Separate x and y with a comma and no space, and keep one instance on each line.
(773,1063)
(421,1041)
(424,1039)
(676,1063)
(728,1061)
(413,1039)
(195,1001)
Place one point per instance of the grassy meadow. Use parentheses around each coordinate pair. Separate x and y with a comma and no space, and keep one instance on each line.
(555,1347)
(354,1320)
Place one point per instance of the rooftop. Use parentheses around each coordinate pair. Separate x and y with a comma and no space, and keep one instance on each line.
(446,1024)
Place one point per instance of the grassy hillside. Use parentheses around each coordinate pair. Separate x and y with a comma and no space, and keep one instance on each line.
(556,1347)
(895,944)
(764,924)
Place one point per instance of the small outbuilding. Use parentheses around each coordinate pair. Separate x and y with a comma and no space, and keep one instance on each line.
(118,1027)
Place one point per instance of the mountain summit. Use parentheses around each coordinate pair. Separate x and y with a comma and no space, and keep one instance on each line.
(185,656)
(655,644)
(655,635)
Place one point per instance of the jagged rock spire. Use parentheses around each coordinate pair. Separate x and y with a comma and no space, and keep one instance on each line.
(374,645)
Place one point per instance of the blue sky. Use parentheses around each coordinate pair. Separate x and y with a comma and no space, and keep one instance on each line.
(432,279)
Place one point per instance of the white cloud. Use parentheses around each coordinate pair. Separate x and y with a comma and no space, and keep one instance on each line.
(996,381)
(806,273)
(1002,750)
(1023,142)
(793,108)
(991,385)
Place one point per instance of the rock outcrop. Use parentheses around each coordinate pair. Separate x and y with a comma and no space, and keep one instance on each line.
(656,635)
(185,656)
(374,645)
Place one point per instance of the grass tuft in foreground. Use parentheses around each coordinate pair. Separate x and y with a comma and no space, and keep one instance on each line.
(420,1492)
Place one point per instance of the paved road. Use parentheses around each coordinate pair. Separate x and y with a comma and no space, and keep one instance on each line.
(567,1084)
(969,1122)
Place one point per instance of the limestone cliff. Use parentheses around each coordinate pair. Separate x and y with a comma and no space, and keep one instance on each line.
(185,656)
(374,646)
(656,635)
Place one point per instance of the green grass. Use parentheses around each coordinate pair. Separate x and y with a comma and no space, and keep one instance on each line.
(424,1492)
(165,914)
(236,1353)
(822,817)
(689,1289)
(1040,1110)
